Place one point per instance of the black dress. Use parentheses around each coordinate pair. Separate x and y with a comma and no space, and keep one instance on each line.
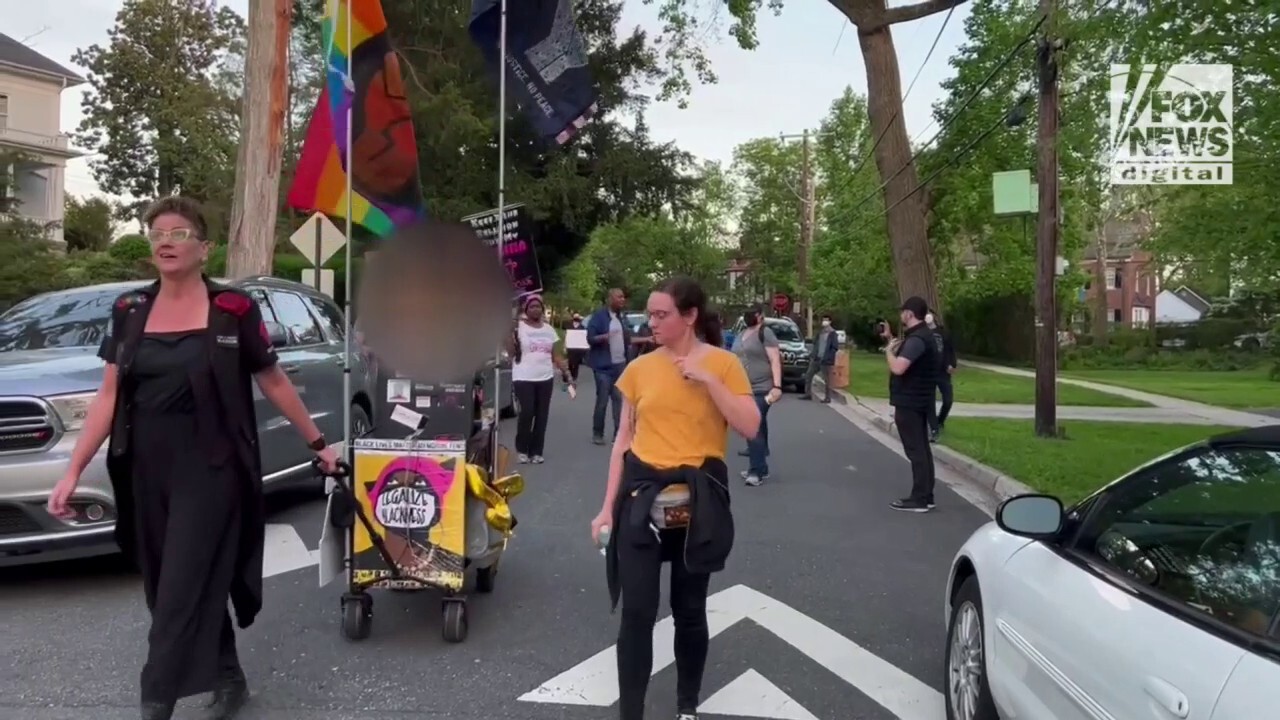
(188,518)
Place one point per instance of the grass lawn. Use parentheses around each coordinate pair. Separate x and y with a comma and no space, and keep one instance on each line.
(1224,388)
(1093,453)
(868,377)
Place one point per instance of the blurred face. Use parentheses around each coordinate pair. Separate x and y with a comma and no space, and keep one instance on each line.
(906,318)
(175,247)
(826,322)
(533,311)
(668,325)
(617,299)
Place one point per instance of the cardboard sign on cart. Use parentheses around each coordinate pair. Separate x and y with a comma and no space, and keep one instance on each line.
(414,493)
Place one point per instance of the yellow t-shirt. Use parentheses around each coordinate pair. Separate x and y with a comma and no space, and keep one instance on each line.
(676,421)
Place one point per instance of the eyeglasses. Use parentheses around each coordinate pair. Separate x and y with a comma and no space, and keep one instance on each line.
(178,235)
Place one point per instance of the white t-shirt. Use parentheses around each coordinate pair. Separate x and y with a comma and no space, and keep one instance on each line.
(536,345)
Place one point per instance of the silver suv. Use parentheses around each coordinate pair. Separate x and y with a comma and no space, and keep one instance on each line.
(49,372)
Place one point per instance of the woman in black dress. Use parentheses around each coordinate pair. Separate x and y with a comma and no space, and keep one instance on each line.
(176,401)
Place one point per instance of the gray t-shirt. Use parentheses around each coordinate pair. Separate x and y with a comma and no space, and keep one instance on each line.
(617,341)
(750,348)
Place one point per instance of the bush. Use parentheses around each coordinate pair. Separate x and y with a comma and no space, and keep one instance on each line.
(1115,357)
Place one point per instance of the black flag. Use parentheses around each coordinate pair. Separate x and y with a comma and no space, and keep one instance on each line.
(547,71)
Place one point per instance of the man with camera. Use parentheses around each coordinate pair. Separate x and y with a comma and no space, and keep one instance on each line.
(914,365)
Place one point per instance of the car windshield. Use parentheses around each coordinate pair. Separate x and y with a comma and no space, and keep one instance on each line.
(784,331)
(635,320)
(76,318)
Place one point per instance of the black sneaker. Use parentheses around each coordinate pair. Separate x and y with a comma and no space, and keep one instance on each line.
(744,453)
(910,505)
(597,439)
(933,435)
(930,503)
(687,716)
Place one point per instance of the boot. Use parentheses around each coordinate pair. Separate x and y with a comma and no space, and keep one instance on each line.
(228,699)
(157,710)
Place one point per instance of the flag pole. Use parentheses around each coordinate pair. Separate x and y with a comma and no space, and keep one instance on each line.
(346,352)
(502,217)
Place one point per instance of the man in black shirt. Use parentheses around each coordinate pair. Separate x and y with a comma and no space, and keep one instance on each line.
(914,367)
(947,358)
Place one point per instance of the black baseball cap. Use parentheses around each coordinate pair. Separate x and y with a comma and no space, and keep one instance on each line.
(917,306)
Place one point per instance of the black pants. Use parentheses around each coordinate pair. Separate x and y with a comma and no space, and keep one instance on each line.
(575,362)
(913,430)
(641,582)
(938,418)
(535,406)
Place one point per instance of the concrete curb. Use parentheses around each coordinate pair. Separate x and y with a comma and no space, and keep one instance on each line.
(982,477)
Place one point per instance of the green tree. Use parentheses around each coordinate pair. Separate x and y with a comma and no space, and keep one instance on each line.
(158,115)
(638,252)
(851,272)
(88,223)
(768,172)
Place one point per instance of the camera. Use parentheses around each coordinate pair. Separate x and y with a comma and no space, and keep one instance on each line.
(881,327)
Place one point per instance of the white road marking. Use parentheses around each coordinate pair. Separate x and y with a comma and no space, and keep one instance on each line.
(594,682)
(284,551)
(752,695)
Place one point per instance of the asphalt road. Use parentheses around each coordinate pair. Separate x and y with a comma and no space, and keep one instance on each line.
(838,600)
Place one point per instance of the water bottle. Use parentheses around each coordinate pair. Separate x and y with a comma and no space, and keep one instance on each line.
(604,540)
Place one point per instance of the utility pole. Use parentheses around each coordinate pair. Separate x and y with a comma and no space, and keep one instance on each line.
(805,245)
(1047,229)
(257,186)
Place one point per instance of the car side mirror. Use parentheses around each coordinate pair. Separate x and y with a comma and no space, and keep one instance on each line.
(277,334)
(1039,517)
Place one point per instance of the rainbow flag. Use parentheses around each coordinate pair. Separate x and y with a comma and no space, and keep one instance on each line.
(365,80)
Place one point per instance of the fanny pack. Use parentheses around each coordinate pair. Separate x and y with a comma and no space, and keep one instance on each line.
(671,507)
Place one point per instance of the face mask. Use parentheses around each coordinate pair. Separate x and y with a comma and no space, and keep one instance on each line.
(751,319)
(826,323)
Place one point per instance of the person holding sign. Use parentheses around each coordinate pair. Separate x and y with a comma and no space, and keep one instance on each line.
(575,344)
(535,361)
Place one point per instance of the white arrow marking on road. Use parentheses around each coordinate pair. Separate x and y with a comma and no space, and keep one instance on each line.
(283,551)
(594,682)
(752,695)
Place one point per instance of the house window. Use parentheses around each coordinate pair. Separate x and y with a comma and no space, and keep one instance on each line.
(1115,278)
(1115,316)
(1141,317)
(4,112)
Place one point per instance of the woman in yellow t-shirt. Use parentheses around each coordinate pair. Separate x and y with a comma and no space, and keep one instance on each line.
(667,497)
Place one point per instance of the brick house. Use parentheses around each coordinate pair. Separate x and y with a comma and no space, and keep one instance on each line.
(1132,281)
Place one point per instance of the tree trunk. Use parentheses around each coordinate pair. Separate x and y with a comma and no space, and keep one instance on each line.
(1100,310)
(253,209)
(906,223)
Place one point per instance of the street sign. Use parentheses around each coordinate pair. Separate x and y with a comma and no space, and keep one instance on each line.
(318,239)
(594,682)
(325,285)
(781,302)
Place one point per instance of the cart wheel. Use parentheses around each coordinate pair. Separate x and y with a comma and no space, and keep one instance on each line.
(455,621)
(357,615)
(485,578)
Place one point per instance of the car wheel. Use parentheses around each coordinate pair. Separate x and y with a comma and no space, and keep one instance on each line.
(968,694)
(360,424)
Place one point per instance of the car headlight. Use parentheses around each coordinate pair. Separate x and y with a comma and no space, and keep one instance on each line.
(72,409)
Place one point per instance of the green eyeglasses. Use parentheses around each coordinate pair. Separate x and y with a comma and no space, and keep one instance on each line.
(177,235)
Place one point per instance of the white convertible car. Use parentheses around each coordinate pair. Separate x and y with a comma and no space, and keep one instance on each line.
(1156,598)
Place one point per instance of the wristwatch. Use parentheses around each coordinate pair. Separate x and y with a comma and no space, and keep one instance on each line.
(778,388)
(318,444)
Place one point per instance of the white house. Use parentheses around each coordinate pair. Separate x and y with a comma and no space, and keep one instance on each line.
(31,88)
(1183,305)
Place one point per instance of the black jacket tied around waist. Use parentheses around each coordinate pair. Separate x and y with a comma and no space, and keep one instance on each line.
(709,535)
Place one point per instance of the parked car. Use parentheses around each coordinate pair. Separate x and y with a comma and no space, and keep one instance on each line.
(49,372)
(1156,597)
(791,344)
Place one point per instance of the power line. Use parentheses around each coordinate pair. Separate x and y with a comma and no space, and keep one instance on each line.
(910,86)
(1004,62)
(1013,117)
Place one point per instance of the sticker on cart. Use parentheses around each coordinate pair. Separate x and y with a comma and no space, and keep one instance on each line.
(407,417)
(422,401)
(399,390)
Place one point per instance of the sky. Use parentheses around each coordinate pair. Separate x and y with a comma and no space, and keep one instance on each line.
(805,60)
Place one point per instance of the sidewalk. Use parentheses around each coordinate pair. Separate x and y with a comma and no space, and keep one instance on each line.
(1165,410)
(1160,415)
